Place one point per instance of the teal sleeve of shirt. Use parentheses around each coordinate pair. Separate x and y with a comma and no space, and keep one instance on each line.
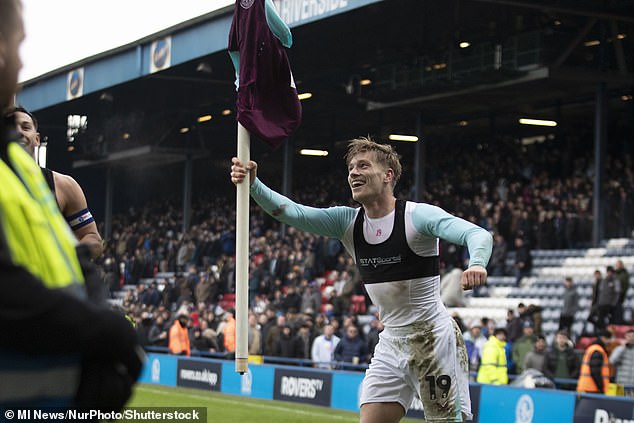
(277,25)
(331,221)
(434,221)
(235,59)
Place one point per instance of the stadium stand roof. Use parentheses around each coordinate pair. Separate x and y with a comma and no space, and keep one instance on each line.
(373,67)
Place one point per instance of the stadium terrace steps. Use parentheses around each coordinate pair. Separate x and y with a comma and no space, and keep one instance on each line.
(545,288)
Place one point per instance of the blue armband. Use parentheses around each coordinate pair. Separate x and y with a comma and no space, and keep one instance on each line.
(80,219)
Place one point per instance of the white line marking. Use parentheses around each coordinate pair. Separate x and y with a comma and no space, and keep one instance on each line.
(246,404)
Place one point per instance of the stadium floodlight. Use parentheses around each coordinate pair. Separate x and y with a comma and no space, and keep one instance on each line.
(304,96)
(400,137)
(205,118)
(537,122)
(184,130)
(365,82)
(226,112)
(311,152)
(464,44)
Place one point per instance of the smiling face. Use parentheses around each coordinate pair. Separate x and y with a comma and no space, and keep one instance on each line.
(367,178)
(25,126)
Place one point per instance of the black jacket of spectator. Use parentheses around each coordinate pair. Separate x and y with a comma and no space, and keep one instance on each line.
(552,358)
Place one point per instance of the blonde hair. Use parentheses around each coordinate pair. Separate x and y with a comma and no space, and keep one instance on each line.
(385,154)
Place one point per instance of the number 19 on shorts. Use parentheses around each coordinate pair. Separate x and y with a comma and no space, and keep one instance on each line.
(441,383)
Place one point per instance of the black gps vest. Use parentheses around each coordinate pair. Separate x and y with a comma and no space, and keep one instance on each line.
(392,259)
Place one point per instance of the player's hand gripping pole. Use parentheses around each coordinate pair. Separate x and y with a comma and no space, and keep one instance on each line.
(242,255)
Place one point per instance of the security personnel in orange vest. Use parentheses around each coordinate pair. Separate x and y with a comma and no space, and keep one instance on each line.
(595,367)
(179,335)
(229,332)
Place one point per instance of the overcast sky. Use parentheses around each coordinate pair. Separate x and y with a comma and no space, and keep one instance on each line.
(60,32)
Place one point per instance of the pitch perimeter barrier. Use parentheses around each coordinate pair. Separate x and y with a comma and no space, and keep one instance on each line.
(340,389)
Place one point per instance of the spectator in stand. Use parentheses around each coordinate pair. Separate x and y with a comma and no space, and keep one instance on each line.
(475,336)
(303,342)
(285,343)
(497,264)
(291,300)
(533,314)
(323,348)
(514,323)
(570,306)
(272,339)
(623,277)
(207,289)
(351,348)
(158,333)
(209,333)
(522,346)
(179,335)
(608,294)
(152,295)
(561,360)
(594,375)
(622,358)
(493,364)
(143,328)
(535,359)
(311,298)
(376,327)
(593,315)
(523,260)
(201,343)
(254,336)
(229,332)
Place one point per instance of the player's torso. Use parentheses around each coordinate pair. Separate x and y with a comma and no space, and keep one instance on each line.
(413,295)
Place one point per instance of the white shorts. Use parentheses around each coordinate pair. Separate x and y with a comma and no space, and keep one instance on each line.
(429,360)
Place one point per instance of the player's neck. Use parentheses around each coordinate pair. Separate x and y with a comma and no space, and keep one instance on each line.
(381,206)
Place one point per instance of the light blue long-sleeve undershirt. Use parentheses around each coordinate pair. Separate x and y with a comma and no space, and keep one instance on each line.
(333,222)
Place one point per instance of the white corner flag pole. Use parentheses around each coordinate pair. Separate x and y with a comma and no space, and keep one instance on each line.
(242,255)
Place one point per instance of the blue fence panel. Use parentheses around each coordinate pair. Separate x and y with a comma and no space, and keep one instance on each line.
(345,390)
(256,383)
(509,404)
(160,369)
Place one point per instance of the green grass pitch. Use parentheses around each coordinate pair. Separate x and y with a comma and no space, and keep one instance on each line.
(224,408)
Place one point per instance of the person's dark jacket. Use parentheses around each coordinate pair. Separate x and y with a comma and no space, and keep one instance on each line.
(143,331)
(348,348)
(292,301)
(552,358)
(285,345)
(523,255)
(154,336)
(514,328)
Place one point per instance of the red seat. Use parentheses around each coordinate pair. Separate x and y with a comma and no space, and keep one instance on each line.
(227,301)
(357,304)
(584,341)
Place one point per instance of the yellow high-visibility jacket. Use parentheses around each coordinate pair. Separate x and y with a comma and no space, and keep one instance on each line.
(493,363)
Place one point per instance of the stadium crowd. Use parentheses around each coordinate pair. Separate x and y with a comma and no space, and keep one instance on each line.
(306,299)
